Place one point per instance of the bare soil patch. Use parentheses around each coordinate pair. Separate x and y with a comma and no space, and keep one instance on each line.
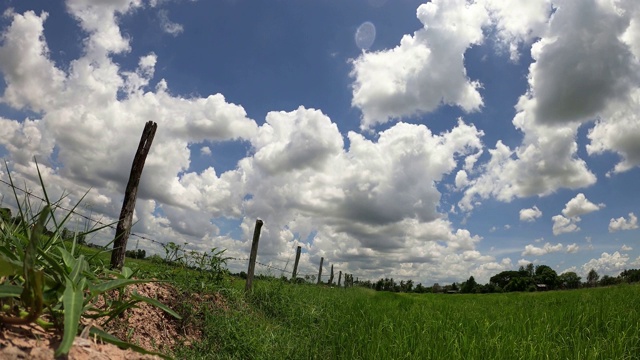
(146,326)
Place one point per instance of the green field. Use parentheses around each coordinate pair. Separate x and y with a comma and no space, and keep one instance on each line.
(281,320)
(286,321)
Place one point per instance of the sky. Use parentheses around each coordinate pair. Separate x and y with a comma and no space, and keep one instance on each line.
(395,138)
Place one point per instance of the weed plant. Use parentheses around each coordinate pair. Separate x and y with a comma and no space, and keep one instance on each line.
(47,281)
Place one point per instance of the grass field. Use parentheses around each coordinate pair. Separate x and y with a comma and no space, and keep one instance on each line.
(286,321)
(280,320)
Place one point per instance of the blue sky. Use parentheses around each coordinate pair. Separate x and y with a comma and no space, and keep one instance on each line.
(471,137)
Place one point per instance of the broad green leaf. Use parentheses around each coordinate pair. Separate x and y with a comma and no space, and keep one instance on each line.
(78,268)
(116,284)
(9,267)
(156,303)
(127,272)
(69,260)
(106,337)
(54,264)
(10,291)
(72,300)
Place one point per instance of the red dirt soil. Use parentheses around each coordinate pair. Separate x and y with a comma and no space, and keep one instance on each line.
(146,326)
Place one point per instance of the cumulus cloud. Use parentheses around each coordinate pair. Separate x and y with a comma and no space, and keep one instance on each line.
(371,206)
(623,224)
(518,21)
(607,263)
(626,248)
(530,214)
(205,151)
(579,205)
(563,225)
(578,42)
(573,248)
(539,251)
(571,213)
(432,71)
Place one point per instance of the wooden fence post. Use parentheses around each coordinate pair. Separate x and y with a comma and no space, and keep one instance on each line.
(339,277)
(123,230)
(253,255)
(331,276)
(320,271)
(295,264)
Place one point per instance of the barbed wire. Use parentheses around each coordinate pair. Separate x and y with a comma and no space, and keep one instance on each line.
(99,222)
(143,237)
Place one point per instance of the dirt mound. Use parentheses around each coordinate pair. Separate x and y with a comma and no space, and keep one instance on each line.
(146,326)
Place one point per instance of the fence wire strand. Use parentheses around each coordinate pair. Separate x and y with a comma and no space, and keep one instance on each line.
(143,237)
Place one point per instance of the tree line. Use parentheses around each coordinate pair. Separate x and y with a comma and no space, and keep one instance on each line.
(526,278)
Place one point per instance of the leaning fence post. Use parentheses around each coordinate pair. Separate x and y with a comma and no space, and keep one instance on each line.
(331,276)
(253,255)
(320,271)
(129,203)
(339,277)
(295,265)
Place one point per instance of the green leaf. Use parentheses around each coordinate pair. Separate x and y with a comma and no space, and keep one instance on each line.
(10,291)
(72,301)
(78,268)
(58,271)
(116,284)
(127,272)
(156,303)
(9,267)
(106,337)
(69,260)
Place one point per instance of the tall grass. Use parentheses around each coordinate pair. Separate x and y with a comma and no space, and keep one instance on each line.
(284,321)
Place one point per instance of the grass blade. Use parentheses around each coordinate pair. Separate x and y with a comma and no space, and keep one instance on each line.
(10,291)
(106,337)
(72,301)
(156,303)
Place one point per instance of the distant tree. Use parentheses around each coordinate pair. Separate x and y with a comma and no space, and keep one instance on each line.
(530,270)
(419,289)
(592,277)
(631,275)
(503,278)
(569,280)
(546,275)
(608,280)
(436,288)
(518,284)
(468,286)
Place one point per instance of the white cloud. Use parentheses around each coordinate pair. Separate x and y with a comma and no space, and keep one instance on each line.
(546,249)
(573,248)
(530,214)
(623,224)
(167,25)
(579,41)
(626,248)
(518,21)
(579,205)
(432,71)
(461,179)
(607,263)
(563,225)
(205,151)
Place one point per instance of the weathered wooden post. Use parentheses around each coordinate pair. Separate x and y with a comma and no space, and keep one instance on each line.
(331,276)
(253,255)
(123,230)
(339,277)
(320,271)
(295,264)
